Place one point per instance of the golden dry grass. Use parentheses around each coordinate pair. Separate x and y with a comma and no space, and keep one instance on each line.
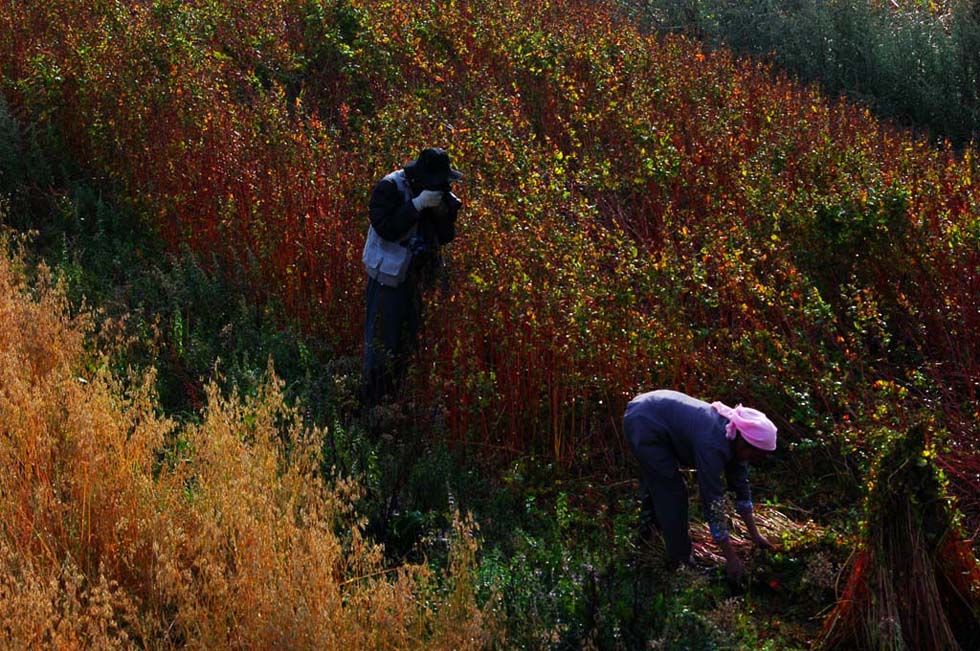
(114,536)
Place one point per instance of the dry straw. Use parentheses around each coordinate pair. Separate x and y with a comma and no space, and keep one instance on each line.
(121,529)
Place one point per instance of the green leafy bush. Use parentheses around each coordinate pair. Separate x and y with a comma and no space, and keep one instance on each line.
(917,62)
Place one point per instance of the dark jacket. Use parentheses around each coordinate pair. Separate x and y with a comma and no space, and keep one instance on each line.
(393,215)
(695,434)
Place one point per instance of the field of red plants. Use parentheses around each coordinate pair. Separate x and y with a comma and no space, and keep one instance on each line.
(639,212)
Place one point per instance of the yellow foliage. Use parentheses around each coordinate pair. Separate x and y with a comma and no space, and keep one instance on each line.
(121,529)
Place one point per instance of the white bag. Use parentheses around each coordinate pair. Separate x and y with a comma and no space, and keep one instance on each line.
(384,260)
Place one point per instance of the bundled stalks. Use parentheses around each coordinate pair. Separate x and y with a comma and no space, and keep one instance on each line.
(914,583)
(772,523)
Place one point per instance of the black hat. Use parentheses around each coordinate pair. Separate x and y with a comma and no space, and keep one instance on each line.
(432,168)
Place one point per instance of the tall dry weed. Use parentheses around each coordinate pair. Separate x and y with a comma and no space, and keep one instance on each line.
(120,529)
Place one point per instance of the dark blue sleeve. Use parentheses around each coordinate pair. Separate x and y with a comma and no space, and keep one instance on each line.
(391,215)
(710,463)
(737,474)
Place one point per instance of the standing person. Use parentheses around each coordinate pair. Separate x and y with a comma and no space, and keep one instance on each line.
(668,430)
(413,213)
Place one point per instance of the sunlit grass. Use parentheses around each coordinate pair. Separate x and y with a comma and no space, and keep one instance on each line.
(121,529)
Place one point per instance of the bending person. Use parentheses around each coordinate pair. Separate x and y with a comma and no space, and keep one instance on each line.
(668,430)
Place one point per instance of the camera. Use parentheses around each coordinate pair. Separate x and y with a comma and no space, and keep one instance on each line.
(452,201)
(418,245)
(449,204)
(438,187)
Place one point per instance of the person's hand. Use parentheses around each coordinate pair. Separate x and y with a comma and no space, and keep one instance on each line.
(733,564)
(735,569)
(763,542)
(427,199)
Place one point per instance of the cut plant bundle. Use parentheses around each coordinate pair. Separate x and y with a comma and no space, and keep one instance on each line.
(914,583)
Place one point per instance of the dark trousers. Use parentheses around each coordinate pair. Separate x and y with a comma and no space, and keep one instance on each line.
(661,478)
(391,328)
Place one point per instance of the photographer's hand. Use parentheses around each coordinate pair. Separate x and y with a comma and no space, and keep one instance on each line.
(427,199)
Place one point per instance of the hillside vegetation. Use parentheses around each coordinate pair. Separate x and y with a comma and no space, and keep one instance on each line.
(639,212)
(912,60)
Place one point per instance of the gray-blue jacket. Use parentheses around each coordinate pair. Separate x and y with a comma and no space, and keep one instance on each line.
(695,435)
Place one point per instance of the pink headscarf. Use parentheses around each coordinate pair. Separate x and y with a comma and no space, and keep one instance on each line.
(755,428)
